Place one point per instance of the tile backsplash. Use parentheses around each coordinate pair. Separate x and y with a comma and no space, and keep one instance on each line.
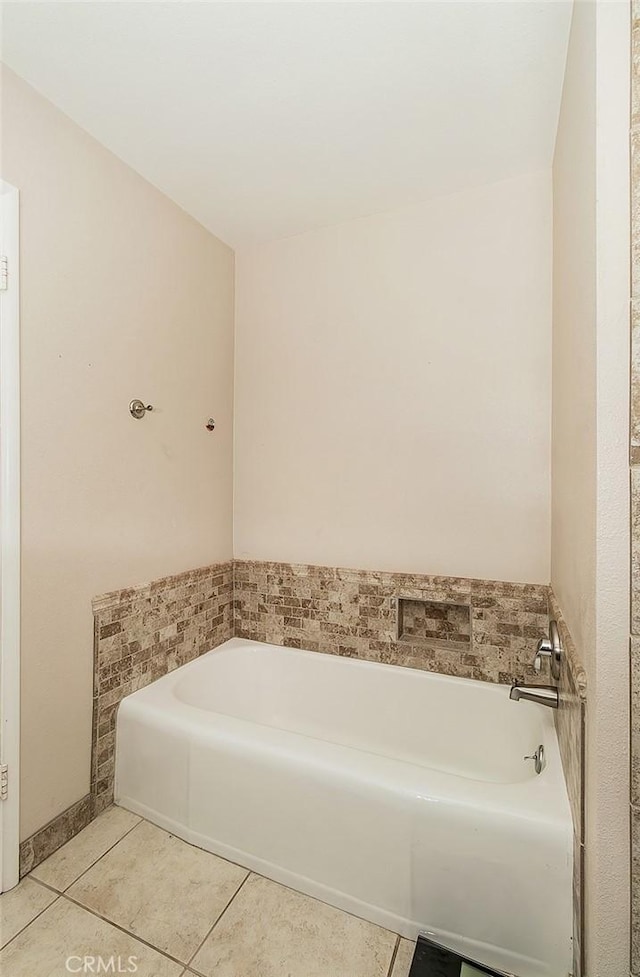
(479,629)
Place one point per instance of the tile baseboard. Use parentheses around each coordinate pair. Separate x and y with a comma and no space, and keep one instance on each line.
(56,833)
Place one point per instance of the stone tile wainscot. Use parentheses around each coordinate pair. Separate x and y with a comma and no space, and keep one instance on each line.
(354,613)
(143,633)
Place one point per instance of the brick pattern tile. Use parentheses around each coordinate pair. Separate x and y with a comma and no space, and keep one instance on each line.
(354,613)
(143,633)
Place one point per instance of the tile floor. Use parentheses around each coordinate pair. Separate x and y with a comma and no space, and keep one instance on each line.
(148,903)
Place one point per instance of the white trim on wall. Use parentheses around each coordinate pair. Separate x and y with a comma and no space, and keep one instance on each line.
(607,921)
(10,536)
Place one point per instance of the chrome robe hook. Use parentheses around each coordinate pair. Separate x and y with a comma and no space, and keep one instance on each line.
(138,409)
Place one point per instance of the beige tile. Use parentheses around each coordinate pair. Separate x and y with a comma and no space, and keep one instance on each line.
(160,889)
(66,931)
(269,931)
(20,906)
(404,956)
(69,862)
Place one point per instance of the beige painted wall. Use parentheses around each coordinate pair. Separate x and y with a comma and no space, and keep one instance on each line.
(590,505)
(573,506)
(123,295)
(392,405)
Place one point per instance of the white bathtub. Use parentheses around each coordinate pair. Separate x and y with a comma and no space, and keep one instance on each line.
(398,795)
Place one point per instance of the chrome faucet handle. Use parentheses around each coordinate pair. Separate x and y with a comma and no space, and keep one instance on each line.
(538,758)
(550,648)
(544,650)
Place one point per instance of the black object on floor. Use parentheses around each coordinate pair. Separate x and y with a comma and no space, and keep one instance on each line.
(432,960)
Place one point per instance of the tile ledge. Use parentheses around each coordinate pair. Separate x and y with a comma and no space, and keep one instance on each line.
(572,661)
(428,580)
(126,595)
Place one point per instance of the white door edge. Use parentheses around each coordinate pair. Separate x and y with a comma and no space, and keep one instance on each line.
(10,537)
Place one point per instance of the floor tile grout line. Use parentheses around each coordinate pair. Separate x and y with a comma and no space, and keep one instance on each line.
(45,885)
(394,956)
(134,936)
(210,931)
(95,862)
(65,894)
(27,925)
(142,820)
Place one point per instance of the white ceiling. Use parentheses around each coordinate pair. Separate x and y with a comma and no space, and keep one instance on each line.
(264,120)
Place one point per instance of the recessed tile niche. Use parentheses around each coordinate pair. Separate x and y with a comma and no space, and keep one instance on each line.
(434,622)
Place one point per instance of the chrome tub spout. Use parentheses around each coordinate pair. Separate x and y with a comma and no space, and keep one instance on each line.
(544,695)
